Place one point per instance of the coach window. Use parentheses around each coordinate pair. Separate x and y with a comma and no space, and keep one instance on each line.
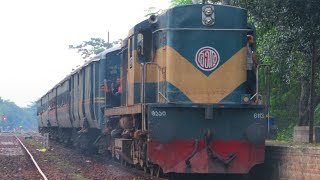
(130,45)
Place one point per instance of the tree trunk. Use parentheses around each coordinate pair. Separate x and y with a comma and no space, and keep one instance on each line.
(316,101)
(312,89)
(304,102)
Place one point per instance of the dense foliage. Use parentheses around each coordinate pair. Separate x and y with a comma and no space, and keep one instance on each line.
(287,34)
(17,117)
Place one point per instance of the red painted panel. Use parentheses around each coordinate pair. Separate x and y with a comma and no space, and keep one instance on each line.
(172,156)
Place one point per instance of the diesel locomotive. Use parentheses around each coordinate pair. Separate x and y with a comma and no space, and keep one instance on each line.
(172,98)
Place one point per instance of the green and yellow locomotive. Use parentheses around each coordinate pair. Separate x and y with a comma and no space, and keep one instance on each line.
(173,96)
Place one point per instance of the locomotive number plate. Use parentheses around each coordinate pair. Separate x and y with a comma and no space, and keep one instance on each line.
(158,113)
(258,115)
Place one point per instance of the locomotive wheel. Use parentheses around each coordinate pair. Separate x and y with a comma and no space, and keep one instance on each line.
(152,171)
(121,161)
(145,169)
(109,155)
(158,171)
(245,177)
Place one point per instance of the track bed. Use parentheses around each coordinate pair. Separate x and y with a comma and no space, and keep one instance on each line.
(14,161)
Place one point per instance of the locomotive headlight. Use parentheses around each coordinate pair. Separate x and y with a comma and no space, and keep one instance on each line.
(208,16)
(208,11)
(208,20)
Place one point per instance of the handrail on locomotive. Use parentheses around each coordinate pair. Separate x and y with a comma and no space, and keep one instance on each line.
(266,67)
(143,68)
(257,95)
(143,75)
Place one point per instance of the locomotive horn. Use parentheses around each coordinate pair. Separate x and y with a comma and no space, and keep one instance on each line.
(153,19)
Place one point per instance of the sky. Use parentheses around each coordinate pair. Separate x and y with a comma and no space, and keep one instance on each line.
(35,35)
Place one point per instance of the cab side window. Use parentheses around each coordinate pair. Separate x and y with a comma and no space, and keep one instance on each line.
(140,48)
(140,42)
(130,48)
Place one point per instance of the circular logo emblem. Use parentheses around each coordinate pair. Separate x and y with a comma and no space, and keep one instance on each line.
(207,58)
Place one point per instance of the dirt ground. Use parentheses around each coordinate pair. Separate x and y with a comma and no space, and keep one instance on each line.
(61,163)
(65,163)
(14,162)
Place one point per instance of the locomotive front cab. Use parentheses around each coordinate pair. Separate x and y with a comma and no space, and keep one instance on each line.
(201,123)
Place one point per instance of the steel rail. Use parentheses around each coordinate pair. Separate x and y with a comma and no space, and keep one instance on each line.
(33,160)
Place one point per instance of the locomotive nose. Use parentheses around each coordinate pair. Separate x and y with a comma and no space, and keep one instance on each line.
(256,133)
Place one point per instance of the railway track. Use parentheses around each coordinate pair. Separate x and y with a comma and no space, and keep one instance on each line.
(16,161)
(32,159)
(90,166)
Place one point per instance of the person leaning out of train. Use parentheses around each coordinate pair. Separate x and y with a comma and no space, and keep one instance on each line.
(115,93)
(251,66)
(117,88)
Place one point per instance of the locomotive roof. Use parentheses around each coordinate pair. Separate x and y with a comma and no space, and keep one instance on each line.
(103,54)
(230,6)
(141,25)
(97,57)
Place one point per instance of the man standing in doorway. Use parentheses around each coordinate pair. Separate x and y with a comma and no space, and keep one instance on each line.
(251,64)
(141,57)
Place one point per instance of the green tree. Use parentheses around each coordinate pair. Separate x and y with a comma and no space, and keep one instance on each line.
(17,116)
(153,11)
(92,47)
(297,35)
(180,2)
